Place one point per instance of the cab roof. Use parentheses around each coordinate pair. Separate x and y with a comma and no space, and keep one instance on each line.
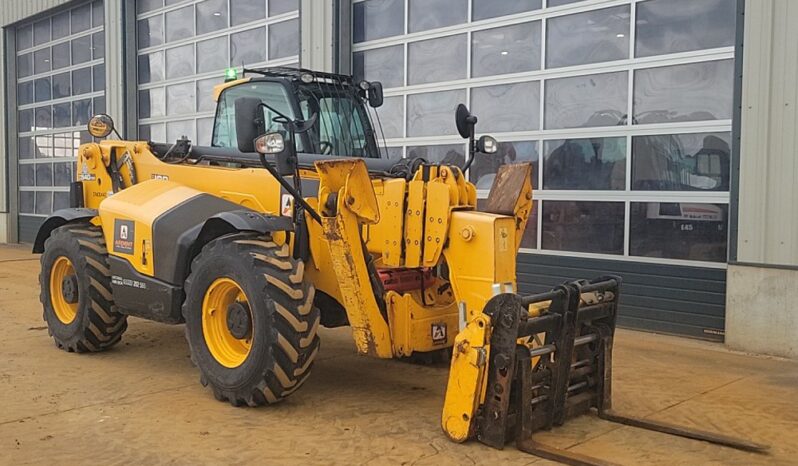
(292,74)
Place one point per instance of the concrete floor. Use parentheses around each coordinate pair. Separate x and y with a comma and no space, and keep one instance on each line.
(142,403)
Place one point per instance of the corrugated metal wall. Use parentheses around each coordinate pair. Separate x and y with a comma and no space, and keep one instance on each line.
(16,11)
(768,195)
(658,297)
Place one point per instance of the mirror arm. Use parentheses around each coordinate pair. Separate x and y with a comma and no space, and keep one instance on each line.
(471,150)
(293,154)
(293,192)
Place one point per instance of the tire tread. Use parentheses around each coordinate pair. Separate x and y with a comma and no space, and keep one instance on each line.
(102,326)
(294,317)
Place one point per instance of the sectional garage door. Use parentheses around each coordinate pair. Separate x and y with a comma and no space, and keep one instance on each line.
(60,83)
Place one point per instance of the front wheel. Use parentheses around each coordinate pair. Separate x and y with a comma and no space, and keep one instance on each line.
(76,294)
(250,320)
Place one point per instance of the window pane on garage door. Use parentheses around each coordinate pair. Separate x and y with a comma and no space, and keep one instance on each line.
(185,47)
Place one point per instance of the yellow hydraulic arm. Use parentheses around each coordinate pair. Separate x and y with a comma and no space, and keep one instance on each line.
(346,201)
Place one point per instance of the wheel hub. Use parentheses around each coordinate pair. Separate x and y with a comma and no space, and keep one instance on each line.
(227,322)
(63,289)
(239,320)
(69,288)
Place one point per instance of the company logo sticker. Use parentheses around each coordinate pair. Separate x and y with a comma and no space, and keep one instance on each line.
(124,236)
(85,175)
(439,333)
(286,205)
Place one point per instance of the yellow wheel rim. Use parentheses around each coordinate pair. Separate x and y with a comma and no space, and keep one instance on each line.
(65,310)
(226,348)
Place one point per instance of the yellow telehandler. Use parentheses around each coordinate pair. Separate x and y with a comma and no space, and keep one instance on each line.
(291,220)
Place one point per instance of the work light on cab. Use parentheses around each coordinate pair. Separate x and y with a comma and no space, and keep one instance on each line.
(487,145)
(230,74)
(272,143)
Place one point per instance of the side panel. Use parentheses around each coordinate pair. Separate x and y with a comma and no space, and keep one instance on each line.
(153,230)
(386,236)
(414,223)
(252,188)
(143,296)
(128,217)
(491,238)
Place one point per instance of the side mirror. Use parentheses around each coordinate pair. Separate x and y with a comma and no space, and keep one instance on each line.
(249,122)
(100,125)
(375,94)
(464,121)
(274,144)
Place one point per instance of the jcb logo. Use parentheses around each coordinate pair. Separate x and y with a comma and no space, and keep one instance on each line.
(156,176)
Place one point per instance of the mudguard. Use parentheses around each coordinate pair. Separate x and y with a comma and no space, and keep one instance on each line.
(243,220)
(57,219)
(188,243)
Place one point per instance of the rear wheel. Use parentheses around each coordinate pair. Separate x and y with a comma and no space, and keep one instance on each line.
(76,290)
(250,320)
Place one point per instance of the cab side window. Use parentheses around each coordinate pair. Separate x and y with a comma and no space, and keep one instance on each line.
(339,129)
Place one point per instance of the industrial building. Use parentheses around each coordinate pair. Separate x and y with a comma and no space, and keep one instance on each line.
(662,132)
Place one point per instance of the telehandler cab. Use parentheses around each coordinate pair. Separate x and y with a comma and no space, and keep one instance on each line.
(291,220)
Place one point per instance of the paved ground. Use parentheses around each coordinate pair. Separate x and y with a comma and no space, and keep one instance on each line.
(142,403)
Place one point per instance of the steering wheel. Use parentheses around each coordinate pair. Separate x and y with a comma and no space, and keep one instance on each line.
(325,147)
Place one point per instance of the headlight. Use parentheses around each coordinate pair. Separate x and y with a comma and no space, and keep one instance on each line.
(100,125)
(272,143)
(307,78)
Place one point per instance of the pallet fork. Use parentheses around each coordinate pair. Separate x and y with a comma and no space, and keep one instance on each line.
(532,388)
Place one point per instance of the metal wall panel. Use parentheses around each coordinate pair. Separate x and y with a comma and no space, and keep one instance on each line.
(117,23)
(768,217)
(658,297)
(28,228)
(4,175)
(316,32)
(17,10)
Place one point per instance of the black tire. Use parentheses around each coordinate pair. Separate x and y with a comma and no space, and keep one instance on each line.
(96,326)
(284,322)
